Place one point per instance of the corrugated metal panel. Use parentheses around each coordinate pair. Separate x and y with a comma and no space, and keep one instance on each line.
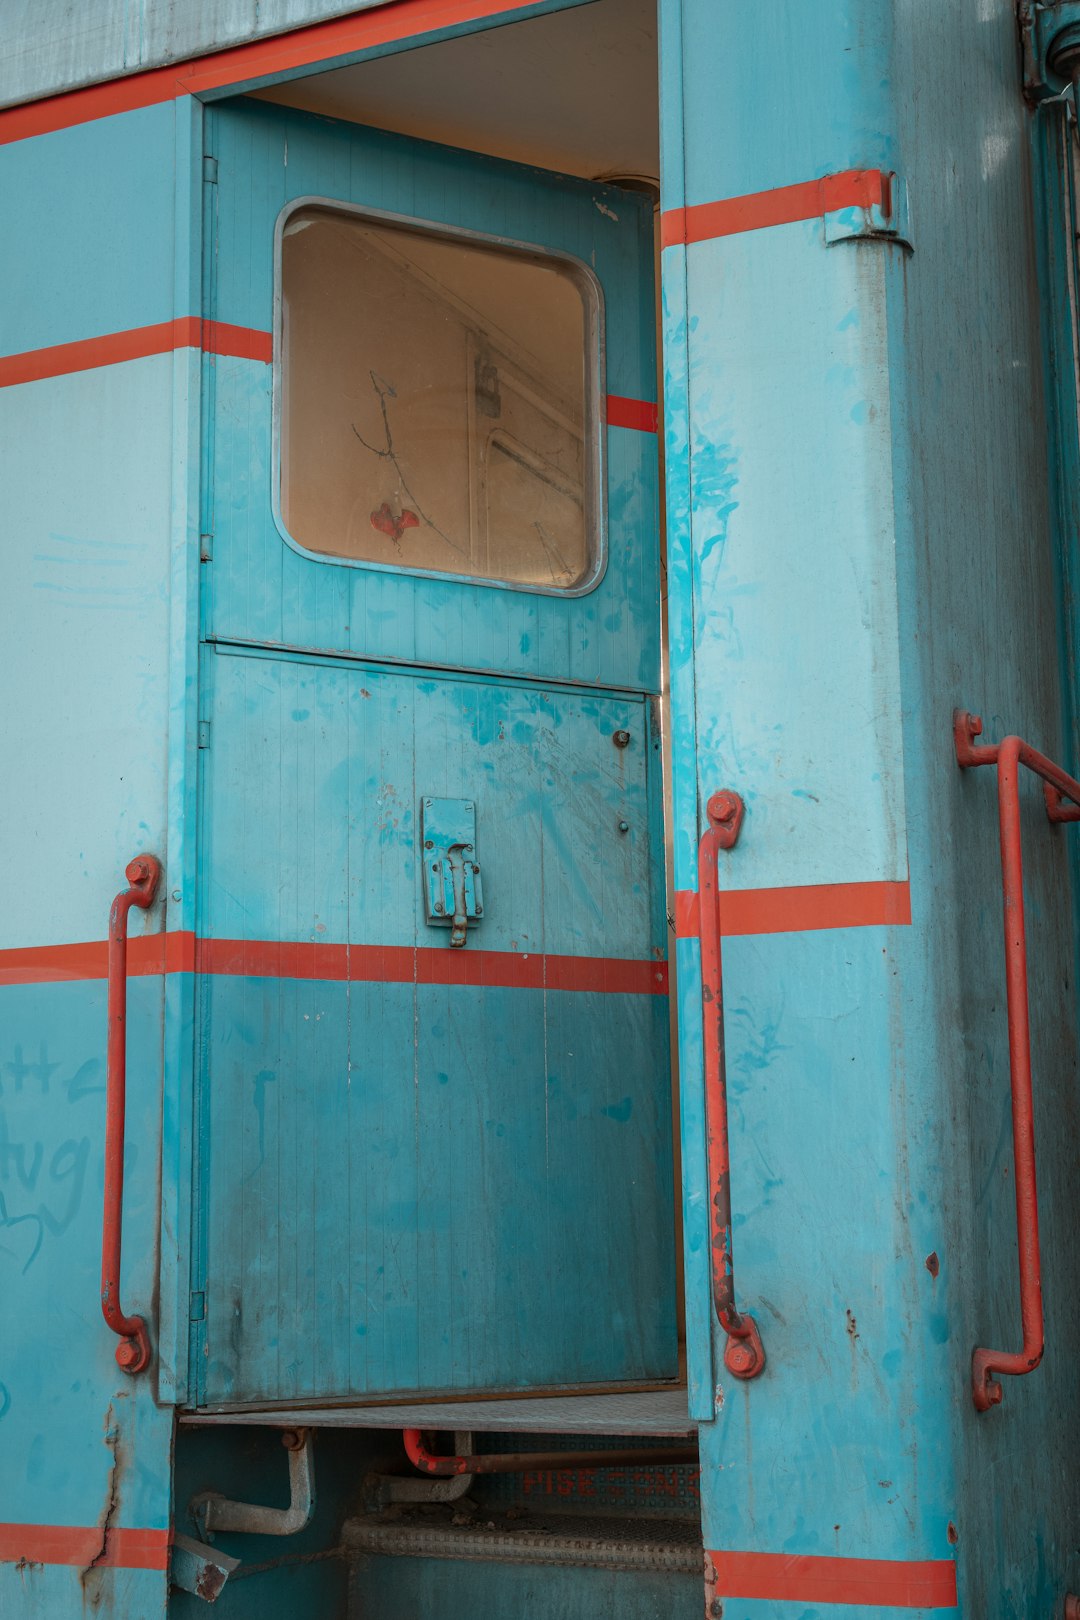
(48,46)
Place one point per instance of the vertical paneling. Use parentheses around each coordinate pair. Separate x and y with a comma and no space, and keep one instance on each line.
(413,1185)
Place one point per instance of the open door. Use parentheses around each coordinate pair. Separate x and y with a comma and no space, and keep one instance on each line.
(433,1123)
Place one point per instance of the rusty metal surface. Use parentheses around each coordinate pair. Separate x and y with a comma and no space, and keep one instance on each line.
(197,1568)
(1062,794)
(744,1354)
(133,1351)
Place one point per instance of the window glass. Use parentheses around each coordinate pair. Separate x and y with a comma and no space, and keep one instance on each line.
(435,396)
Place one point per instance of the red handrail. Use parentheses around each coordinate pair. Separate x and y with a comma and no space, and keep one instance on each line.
(133,1351)
(744,1353)
(1008,756)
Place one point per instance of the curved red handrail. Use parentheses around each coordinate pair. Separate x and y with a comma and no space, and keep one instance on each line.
(744,1353)
(133,1351)
(1008,756)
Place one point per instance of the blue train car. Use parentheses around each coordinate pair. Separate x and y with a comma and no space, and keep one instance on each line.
(539,946)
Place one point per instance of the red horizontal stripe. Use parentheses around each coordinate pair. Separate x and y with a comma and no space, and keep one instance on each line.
(373,964)
(187,332)
(53,964)
(877,1582)
(215,337)
(802,908)
(243,64)
(633,413)
(426,964)
(244,342)
(80,1545)
(812,199)
(110,350)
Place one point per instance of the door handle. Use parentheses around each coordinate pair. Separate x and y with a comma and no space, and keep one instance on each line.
(133,1351)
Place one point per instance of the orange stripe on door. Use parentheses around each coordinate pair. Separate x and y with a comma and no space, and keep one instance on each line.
(874,1582)
(337,963)
(802,908)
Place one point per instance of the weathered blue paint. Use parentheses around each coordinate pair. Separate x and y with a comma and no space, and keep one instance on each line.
(865,428)
(860,518)
(94,1449)
(122,37)
(403,1091)
(85,609)
(97,256)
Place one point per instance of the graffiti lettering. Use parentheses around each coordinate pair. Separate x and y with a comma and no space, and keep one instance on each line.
(42,1181)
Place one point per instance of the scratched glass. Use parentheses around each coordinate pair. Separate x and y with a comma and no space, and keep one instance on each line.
(435,397)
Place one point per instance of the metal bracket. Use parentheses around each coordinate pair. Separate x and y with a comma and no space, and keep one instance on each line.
(1050,47)
(453,896)
(195,1567)
(213,1512)
(888,220)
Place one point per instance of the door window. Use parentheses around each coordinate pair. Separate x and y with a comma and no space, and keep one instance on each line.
(438,402)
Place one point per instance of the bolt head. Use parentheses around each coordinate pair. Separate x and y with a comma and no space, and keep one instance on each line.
(741,1358)
(128,1355)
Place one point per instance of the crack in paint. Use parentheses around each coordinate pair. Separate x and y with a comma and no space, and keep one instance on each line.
(111,1506)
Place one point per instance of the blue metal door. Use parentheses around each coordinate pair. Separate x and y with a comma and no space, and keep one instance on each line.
(433,1117)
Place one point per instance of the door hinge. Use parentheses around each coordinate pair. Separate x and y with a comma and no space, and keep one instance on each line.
(206,548)
(204,733)
(197,1311)
(209,171)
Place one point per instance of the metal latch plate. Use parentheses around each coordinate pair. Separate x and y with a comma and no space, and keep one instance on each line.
(453,895)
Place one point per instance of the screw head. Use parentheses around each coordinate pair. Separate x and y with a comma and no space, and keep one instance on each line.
(624,826)
(439,907)
(621,739)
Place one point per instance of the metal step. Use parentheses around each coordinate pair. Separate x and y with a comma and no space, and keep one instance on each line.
(601,1542)
(658,1412)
